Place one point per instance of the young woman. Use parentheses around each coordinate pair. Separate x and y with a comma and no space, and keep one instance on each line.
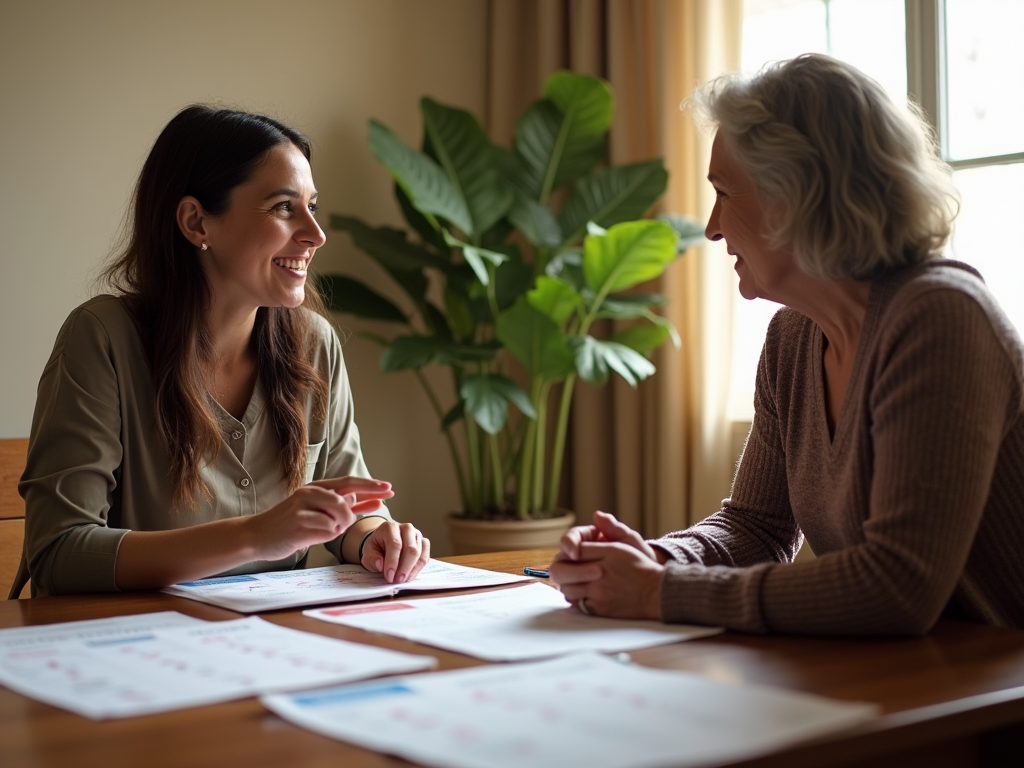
(200,421)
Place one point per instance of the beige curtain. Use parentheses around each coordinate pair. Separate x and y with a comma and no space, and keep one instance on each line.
(658,457)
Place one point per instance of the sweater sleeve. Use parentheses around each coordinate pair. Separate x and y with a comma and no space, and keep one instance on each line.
(755,524)
(942,395)
(74,453)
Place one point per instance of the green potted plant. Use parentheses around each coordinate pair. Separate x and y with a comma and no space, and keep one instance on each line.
(515,254)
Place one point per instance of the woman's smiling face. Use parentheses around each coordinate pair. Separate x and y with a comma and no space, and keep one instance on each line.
(259,249)
(738,218)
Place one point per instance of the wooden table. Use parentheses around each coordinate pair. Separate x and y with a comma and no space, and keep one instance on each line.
(953,698)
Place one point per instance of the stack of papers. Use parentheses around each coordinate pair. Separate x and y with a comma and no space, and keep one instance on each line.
(576,710)
(528,622)
(331,584)
(135,665)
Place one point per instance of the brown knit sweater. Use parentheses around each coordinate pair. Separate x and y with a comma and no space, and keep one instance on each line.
(916,505)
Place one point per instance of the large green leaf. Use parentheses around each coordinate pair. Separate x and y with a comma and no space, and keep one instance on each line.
(403,260)
(407,353)
(467,156)
(343,294)
(628,307)
(426,183)
(612,195)
(487,396)
(536,221)
(567,265)
(690,231)
(535,340)
(460,316)
(411,352)
(477,257)
(551,156)
(388,246)
(435,320)
(561,137)
(554,298)
(594,358)
(627,254)
(643,337)
(420,223)
(587,100)
(511,280)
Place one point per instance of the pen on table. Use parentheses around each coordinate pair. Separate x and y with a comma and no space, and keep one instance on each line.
(540,573)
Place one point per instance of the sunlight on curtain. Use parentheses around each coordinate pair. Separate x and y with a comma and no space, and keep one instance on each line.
(657,457)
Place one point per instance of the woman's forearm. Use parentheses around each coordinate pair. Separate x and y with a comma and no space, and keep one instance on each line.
(155,559)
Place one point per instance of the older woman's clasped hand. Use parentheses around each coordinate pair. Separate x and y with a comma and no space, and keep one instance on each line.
(607,569)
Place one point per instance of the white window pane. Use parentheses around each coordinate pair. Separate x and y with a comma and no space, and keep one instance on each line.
(872,35)
(984,78)
(781,29)
(992,199)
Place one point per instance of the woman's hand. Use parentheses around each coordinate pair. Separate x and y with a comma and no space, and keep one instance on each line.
(605,529)
(607,569)
(397,550)
(313,514)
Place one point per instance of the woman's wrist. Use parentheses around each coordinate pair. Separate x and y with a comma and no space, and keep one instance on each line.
(247,536)
(352,539)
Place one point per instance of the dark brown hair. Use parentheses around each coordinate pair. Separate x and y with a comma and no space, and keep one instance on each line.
(207,152)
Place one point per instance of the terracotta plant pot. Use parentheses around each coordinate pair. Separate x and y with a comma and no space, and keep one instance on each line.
(473,537)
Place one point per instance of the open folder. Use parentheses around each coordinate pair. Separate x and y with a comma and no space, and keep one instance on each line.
(249,593)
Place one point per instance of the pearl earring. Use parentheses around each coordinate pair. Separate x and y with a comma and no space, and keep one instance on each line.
(204,246)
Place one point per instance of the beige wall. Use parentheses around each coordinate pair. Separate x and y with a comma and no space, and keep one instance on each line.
(85,86)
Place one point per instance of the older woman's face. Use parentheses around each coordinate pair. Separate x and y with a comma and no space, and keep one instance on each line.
(261,246)
(738,218)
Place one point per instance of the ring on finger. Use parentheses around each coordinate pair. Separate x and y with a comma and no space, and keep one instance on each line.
(582,605)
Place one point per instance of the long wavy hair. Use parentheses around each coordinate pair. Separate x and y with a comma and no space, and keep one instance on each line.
(207,152)
(854,182)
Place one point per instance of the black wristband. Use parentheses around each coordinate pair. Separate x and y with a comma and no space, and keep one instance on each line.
(341,547)
(359,560)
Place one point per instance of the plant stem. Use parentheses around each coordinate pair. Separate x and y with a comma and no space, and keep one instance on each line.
(456,459)
(473,449)
(537,495)
(514,446)
(499,476)
(559,447)
(492,296)
(525,480)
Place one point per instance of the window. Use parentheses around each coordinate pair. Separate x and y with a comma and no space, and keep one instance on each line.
(981,110)
(961,61)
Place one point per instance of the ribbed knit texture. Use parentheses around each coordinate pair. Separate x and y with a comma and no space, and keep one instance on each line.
(915,505)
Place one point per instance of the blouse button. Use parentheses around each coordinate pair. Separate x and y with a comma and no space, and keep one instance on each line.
(244,482)
(236,435)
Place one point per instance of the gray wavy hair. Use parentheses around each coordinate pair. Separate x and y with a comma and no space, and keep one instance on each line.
(854,183)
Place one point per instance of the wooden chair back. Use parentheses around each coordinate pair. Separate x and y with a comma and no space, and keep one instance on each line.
(13,453)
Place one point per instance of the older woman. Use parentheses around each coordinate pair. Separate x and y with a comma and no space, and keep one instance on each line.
(888,423)
(200,422)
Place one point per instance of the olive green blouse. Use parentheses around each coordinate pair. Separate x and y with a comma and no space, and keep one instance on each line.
(97,469)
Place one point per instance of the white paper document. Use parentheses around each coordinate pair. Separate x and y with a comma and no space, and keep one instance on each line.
(528,622)
(330,584)
(136,665)
(575,710)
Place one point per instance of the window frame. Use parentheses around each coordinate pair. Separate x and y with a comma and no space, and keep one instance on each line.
(926,68)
